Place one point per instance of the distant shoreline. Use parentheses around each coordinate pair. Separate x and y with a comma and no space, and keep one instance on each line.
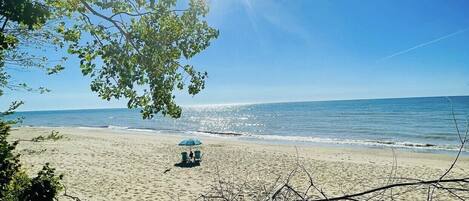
(272,140)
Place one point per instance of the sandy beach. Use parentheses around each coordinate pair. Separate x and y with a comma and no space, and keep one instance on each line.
(106,164)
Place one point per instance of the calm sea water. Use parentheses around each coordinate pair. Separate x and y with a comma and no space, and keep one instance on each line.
(417,123)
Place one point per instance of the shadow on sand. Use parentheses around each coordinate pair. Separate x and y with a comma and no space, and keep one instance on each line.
(187,165)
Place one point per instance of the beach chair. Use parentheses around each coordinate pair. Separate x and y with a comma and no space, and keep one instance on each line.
(185,158)
(197,156)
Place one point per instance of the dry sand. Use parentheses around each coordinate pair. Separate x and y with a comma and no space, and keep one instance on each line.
(105,164)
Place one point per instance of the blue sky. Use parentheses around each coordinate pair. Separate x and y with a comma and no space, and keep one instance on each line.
(292,50)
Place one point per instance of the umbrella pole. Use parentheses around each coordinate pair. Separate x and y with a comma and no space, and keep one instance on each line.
(190,150)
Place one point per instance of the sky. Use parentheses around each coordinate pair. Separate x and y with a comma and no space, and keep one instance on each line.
(301,50)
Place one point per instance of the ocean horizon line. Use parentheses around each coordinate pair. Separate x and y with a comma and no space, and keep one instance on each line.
(247,103)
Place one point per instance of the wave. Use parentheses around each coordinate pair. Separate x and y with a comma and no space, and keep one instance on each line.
(222,133)
(440,136)
(380,143)
(117,127)
(142,130)
(292,139)
(305,139)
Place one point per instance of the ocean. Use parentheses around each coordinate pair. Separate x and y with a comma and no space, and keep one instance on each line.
(413,123)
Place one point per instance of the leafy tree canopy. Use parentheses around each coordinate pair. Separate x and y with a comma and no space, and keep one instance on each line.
(138,49)
(22,32)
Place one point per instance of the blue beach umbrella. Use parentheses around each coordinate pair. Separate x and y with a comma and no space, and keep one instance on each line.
(190,142)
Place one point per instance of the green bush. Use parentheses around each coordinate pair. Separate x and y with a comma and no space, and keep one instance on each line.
(44,187)
(54,135)
(9,162)
(15,184)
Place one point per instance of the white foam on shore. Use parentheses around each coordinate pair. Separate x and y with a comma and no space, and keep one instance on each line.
(292,139)
(118,127)
(411,145)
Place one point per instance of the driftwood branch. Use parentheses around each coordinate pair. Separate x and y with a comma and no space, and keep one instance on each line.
(75,198)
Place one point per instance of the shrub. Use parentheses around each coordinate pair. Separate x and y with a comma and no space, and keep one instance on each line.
(15,184)
(54,135)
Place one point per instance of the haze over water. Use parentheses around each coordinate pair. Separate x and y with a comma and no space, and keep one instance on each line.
(417,123)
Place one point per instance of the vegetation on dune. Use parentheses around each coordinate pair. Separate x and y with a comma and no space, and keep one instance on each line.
(54,135)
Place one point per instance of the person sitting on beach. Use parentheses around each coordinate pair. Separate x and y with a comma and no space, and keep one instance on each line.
(191,155)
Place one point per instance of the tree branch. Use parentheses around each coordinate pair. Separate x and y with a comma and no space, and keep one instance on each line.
(4,24)
(115,23)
